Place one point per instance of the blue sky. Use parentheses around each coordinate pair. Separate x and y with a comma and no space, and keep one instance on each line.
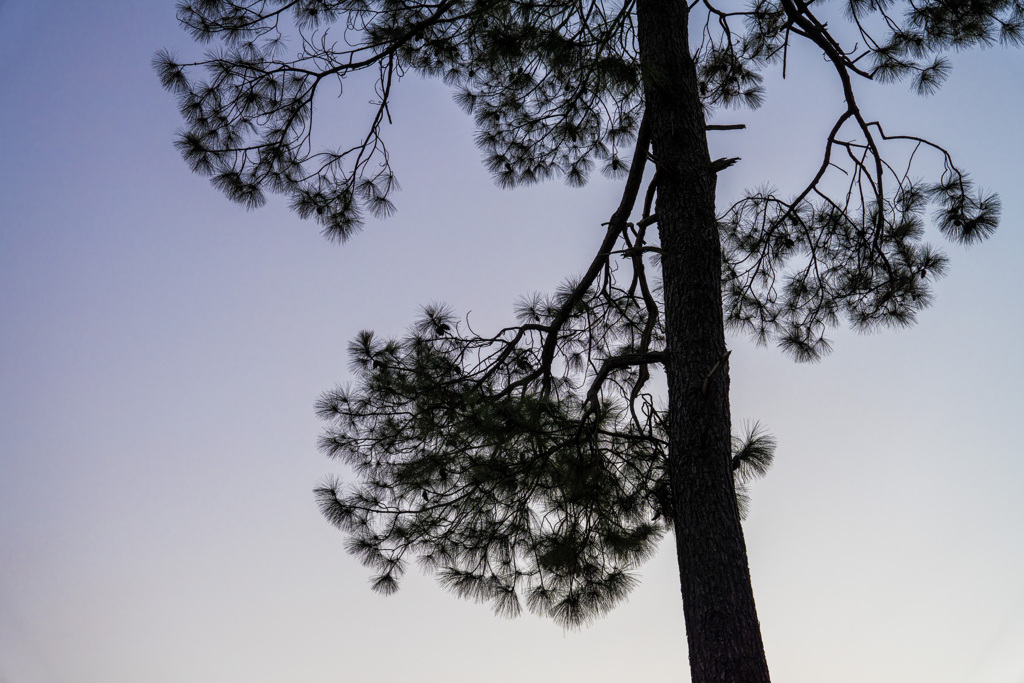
(161,351)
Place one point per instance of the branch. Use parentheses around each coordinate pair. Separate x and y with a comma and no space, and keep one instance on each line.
(616,226)
(615,363)
(715,369)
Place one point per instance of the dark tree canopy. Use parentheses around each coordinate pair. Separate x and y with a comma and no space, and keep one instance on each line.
(555,89)
(535,464)
(507,493)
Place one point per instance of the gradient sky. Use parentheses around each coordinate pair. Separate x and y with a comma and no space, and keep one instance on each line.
(161,350)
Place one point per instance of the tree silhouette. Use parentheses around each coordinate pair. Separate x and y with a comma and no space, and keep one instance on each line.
(534,464)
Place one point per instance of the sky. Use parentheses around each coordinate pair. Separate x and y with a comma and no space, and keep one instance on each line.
(161,350)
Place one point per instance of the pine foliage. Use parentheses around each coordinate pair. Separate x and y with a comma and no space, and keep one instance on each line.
(555,90)
(528,465)
(514,486)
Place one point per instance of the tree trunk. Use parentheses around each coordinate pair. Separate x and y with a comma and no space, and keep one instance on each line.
(722,630)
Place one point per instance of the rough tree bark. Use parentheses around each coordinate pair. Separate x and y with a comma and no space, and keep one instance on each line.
(722,629)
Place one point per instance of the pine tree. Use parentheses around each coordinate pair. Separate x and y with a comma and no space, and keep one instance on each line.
(534,464)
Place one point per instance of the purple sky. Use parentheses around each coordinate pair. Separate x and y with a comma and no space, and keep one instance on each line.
(161,350)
